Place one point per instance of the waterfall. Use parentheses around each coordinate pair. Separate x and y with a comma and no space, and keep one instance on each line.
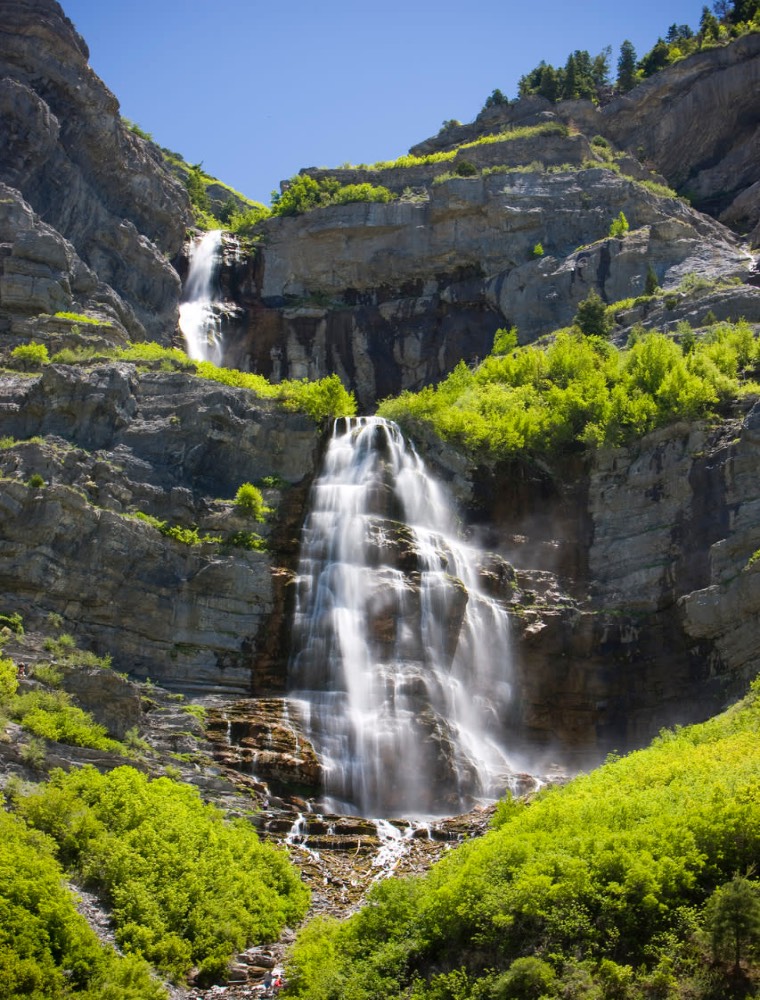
(198,320)
(400,663)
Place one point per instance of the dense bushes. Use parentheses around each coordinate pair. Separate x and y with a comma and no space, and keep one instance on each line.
(185,887)
(599,889)
(304,193)
(47,951)
(581,390)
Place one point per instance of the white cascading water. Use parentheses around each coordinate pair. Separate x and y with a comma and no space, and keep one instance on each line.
(401,663)
(198,320)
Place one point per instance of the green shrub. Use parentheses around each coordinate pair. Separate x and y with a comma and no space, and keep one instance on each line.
(538,250)
(580,390)
(186,536)
(35,481)
(80,318)
(324,398)
(619,226)
(245,540)
(30,356)
(148,351)
(8,680)
(184,886)
(14,622)
(464,168)
(52,716)
(249,499)
(303,193)
(591,317)
(47,950)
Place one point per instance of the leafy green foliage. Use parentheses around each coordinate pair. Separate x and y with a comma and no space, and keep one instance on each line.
(249,499)
(580,390)
(184,535)
(51,715)
(47,950)
(30,356)
(595,889)
(185,887)
(592,318)
(14,622)
(619,226)
(324,398)
(249,540)
(733,919)
(8,680)
(304,193)
(80,318)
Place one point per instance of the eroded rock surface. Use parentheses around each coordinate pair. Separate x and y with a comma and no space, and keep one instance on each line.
(115,443)
(100,186)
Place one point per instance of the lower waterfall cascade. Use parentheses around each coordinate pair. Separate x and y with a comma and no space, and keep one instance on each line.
(400,664)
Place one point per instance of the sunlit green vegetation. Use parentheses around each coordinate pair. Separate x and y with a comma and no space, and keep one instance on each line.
(581,390)
(184,535)
(508,135)
(30,356)
(80,318)
(305,193)
(320,399)
(185,887)
(49,713)
(250,500)
(47,950)
(324,398)
(605,888)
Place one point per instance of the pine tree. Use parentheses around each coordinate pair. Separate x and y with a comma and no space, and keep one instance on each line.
(592,318)
(626,78)
(733,919)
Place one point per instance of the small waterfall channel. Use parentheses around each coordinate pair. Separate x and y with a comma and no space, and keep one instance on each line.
(199,321)
(401,662)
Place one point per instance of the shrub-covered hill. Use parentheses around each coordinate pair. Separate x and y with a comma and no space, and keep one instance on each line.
(185,888)
(629,882)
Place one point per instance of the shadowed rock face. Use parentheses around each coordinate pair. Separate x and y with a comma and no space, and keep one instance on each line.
(637,602)
(100,186)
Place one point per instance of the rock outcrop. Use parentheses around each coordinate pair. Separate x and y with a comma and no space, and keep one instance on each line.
(100,186)
(109,443)
(637,595)
(392,296)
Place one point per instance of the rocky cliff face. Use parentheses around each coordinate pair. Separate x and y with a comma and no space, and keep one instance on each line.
(110,442)
(103,189)
(391,295)
(637,597)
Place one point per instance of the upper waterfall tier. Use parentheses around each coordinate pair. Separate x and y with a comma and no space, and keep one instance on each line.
(198,320)
(401,662)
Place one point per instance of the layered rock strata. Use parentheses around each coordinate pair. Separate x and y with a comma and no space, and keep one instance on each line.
(108,443)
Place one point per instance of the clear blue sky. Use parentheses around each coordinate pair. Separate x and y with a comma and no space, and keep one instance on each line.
(255,90)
